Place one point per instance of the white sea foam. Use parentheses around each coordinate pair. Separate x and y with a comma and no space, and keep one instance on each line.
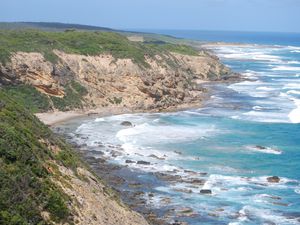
(255,56)
(258,108)
(294,115)
(148,133)
(269,117)
(286,68)
(267,150)
(293,92)
(267,215)
(293,62)
(225,181)
(295,85)
(99,119)
(265,88)
(250,75)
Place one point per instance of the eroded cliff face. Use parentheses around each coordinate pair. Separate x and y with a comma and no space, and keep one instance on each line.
(91,201)
(170,79)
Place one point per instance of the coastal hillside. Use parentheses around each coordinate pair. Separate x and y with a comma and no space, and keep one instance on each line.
(84,70)
(42,181)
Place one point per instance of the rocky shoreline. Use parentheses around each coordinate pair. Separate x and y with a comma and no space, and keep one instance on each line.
(138,188)
(132,189)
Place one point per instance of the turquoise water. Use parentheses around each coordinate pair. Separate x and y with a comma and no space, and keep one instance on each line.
(245,133)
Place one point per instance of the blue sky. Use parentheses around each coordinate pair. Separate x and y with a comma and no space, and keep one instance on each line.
(242,15)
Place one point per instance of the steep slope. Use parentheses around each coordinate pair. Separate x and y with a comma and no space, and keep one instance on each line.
(42,181)
(89,70)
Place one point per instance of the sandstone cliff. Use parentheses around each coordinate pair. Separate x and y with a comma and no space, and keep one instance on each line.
(169,80)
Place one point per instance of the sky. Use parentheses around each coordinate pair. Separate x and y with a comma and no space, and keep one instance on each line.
(236,15)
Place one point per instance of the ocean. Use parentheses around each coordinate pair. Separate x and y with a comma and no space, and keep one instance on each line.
(244,134)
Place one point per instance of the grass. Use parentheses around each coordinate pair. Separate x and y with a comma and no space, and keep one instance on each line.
(85,43)
(26,187)
(29,97)
(73,98)
(35,101)
(177,48)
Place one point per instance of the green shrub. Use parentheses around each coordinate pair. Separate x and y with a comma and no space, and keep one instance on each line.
(73,98)
(26,187)
(29,97)
(85,43)
(56,205)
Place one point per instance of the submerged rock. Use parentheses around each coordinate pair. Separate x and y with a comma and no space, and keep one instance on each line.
(178,152)
(206,191)
(126,123)
(150,195)
(274,179)
(184,190)
(167,177)
(196,181)
(260,147)
(179,223)
(129,161)
(280,204)
(135,185)
(141,162)
(156,157)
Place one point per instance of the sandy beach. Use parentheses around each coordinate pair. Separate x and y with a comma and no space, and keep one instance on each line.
(56,117)
(53,118)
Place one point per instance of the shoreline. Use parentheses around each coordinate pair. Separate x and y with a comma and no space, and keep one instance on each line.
(53,118)
(58,117)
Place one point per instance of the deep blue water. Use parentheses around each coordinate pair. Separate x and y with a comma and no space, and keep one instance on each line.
(270,38)
(245,133)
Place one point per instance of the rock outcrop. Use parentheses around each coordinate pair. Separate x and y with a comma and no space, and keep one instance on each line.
(92,203)
(169,80)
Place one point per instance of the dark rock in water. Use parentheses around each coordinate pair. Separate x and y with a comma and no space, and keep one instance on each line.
(185,212)
(115,153)
(143,162)
(168,177)
(273,179)
(179,223)
(129,161)
(135,185)
(206,191)
(275,197)
(116,180)
(178,152)
(138,193)
(280,204)
(156,157)
(94,152)
(126,123)
(184,190)
(151,195)
(260,147)
(196,181)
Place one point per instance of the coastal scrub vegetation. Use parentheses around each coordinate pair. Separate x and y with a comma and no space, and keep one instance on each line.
(34,101)
(82,42)
(26,166)
(73,99)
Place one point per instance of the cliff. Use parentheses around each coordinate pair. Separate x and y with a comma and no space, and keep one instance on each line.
(157,78)
(44,182)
